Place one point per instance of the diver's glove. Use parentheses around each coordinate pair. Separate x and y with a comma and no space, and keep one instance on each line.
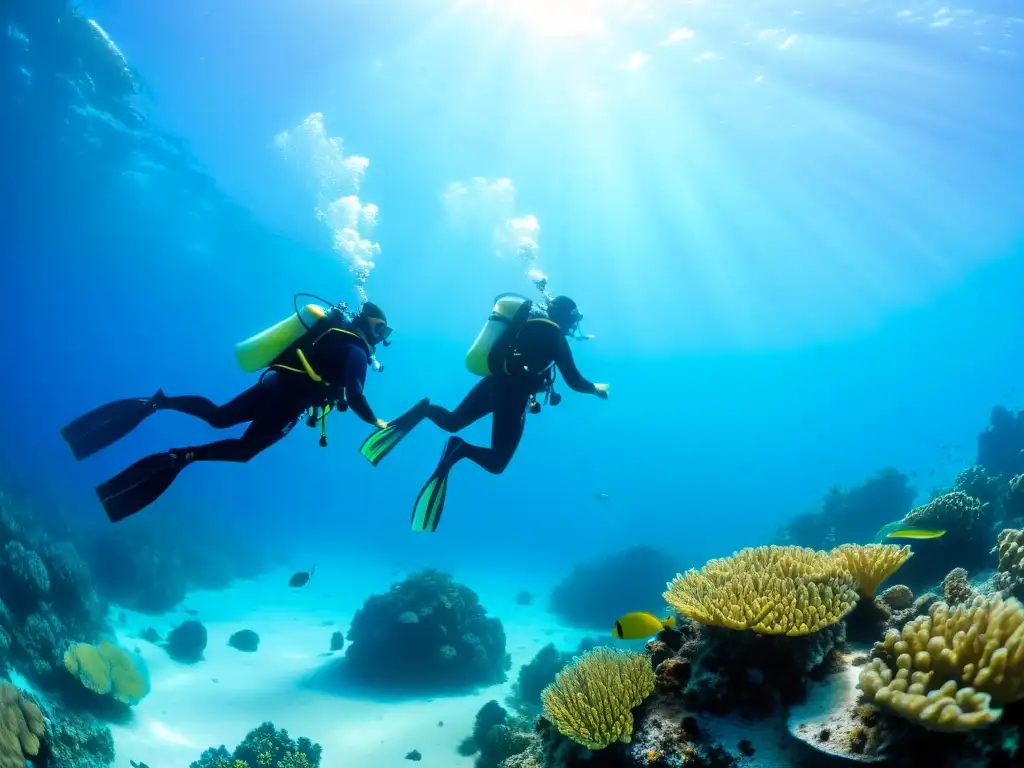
(601,390)
(381,424)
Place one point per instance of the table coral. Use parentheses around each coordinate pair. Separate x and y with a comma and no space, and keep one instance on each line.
(871,564)
(771,590)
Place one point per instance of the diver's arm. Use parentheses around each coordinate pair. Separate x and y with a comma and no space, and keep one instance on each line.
(570,373)
(355,369)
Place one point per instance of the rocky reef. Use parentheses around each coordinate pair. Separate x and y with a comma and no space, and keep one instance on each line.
(264,747)
(428,633)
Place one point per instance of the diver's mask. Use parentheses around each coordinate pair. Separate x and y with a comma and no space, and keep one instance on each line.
(574,331)
(378,331)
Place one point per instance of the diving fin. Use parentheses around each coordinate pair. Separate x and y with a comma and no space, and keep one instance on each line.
(140,484)
(426,512)
(383,441)
(104,426)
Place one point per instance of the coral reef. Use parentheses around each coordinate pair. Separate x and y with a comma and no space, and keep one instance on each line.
(46,596)
(106,669)
(539,673)
(496,737)
(151,563)
(591,700)
(186,642)
(967,542)
(1001,445)
(597,592)
(783,590)
(1009,578)
(852,515)
(76,741)
(950,670)
(445,637)
(264,747)
(752,673)
(21,728)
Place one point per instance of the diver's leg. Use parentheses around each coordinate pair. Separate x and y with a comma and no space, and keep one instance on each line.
(507,427)
(245,407)
(474,406)
(263,432)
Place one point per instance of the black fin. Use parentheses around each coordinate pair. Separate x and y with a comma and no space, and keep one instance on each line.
(104,426)
(139,485)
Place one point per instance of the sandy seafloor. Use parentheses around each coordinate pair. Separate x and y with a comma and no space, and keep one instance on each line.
(218,700)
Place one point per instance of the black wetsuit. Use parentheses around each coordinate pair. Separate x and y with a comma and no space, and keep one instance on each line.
(276,403)
(539,345)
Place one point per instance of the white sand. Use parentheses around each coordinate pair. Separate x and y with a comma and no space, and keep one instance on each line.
(218,700)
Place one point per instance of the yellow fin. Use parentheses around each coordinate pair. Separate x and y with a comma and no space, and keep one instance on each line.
(915,533)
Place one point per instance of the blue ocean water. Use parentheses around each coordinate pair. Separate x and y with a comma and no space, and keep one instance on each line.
(795,235)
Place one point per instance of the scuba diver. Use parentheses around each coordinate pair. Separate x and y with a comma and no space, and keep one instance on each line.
(313,361)
(518,353)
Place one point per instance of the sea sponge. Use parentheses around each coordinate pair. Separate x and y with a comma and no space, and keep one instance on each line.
(108,669)
(21,727)
(952,665)
(871,564)
(771,590)
(592,699)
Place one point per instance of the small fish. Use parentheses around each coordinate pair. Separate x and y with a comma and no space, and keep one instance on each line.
(301,578)
(602,496)
(915,533)
(640,624)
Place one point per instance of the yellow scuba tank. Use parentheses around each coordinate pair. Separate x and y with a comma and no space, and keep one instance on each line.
(256,353)
(506,306)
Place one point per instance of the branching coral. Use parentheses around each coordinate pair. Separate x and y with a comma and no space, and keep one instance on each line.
(770,590)
(952,666)
(871,564)
(21,728)
(592,699)
(108,669)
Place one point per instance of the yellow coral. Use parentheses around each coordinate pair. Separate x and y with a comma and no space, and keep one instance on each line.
(128,683)
(592,699)
(107,669)
(952,665)
(92,670)
(771,590)
(871,564)
(21,727)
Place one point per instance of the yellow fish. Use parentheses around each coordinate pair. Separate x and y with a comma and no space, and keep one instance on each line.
(915,533)
(634,626)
